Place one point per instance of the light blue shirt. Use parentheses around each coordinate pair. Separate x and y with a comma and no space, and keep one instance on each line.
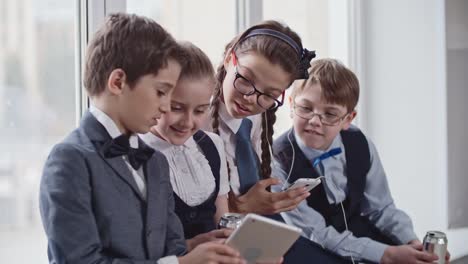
(377,205)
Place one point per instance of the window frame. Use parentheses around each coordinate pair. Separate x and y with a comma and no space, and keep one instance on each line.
(90,15)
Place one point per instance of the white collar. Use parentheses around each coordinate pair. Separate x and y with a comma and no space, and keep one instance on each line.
(162,145)
(312,153)
(232,123)
(110,125)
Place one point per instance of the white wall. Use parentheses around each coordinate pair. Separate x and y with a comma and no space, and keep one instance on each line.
(338,37)
(405,84)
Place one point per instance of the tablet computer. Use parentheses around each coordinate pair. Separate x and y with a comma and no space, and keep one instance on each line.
(260,239)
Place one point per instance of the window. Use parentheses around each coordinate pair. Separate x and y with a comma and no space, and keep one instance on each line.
(37,78)
(308,18)
(209,24)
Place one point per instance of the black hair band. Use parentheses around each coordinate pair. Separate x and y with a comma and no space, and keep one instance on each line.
(305,56)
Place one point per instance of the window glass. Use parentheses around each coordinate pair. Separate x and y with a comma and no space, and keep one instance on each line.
(37,77)
(209,24)
(309,18)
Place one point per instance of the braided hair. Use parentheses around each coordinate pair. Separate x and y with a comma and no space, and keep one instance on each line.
(277,51)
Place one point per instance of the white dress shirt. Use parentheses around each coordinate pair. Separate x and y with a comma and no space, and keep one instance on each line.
(190,173)
(228,127)
(138,175)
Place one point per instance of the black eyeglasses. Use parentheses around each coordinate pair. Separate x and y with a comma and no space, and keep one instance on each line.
(246,87)
(327,119)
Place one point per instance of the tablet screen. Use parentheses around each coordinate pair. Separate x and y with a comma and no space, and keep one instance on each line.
(262,239)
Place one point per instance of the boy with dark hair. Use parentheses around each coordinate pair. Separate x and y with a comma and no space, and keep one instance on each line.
(352,212)
(105,196)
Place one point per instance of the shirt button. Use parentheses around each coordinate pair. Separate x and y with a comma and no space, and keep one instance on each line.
(148,233)
(193,214)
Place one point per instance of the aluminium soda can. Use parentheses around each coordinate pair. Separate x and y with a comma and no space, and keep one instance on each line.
(436,242)
(230,220)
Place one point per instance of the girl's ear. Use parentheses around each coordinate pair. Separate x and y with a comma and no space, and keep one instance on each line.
(349,118)
(117,79)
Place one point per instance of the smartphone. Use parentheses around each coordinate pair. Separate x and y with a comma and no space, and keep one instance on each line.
(305,182)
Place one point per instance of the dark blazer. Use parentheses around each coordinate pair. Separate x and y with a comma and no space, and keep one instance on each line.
(92,210)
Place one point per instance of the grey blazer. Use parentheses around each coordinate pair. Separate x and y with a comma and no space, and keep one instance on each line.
(92,210)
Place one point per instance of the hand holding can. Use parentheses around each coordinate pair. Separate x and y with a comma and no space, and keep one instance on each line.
(230,220)
(436,242)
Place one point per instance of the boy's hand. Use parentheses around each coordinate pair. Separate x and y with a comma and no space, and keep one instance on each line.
(407,254)
(416,244)
(259,200)
(212,253)
(213,235)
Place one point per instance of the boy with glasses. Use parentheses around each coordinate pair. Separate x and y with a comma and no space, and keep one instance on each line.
(352,212)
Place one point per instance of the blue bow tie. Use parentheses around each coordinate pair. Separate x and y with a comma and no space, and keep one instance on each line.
(326,155)
(120,146)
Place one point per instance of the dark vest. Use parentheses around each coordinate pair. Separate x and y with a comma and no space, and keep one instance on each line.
(357,167)
(200,219)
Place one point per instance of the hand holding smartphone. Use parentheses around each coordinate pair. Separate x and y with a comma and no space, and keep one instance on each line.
(308,183)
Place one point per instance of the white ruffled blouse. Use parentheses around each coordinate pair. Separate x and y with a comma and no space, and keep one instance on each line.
(190,173)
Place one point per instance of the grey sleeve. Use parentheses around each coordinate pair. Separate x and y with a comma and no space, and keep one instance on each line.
(378,204)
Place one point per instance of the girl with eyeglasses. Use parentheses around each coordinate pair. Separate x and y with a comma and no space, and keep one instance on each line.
(258,66)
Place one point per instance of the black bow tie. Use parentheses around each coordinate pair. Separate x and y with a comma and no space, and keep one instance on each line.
(120,146)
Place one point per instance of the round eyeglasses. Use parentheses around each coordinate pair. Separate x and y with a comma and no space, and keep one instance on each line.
(246,87)
(327,119)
